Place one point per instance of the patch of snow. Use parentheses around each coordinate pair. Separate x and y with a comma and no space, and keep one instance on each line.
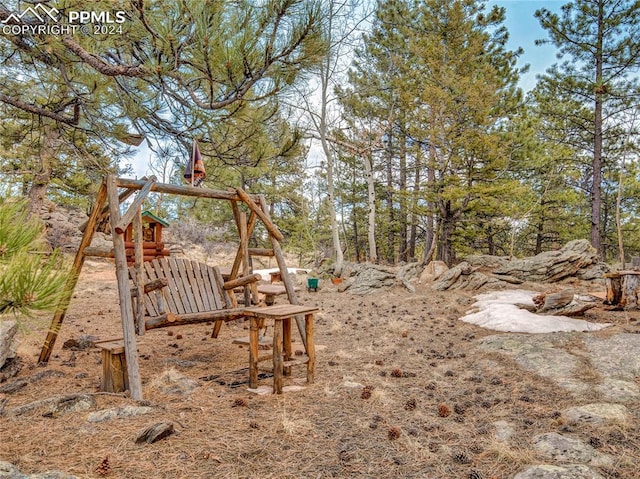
(498,311)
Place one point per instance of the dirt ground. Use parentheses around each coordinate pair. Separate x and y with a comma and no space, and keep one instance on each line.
(402,390)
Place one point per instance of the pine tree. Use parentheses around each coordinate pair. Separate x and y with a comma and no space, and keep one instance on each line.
(177,71)
(30,281)
(598,41)
(438,76)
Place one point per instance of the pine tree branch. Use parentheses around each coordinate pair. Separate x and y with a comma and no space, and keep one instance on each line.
(36,110)
(100,65)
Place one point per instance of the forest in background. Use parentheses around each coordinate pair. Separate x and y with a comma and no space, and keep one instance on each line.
(428,147)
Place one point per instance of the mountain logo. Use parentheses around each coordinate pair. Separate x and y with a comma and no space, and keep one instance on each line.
(40,12)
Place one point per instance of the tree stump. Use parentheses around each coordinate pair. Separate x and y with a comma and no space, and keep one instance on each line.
(613,282)
(623,289)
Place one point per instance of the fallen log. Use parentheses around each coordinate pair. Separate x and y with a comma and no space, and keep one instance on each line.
(562,303)
(577,307)
(550,301)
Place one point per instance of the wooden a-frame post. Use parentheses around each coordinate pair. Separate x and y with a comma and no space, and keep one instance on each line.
(72,280)
(122,274)
(284,272)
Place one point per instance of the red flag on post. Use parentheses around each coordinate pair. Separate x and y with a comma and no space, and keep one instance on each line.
(194,172)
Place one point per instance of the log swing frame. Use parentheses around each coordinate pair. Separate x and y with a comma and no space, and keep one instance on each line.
(107,203)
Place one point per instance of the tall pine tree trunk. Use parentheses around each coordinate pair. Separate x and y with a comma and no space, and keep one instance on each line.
(540,230)
(596,187)
(445,240)
(391,237)
(403,252)
(414,206)
(371,203)
(42,177)
(431,240)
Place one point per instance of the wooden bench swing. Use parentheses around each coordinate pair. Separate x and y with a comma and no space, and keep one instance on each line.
(169,291)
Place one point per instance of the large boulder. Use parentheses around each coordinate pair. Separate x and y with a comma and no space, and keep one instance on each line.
(577,259)
(371,279)
(552,266)
(464,276)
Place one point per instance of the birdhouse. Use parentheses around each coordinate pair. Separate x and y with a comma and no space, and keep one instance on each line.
(152,245)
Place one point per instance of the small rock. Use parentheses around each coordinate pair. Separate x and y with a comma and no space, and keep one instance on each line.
(619,390)
(567,449)
(180,363)
(56,405)
(51,475)
(10,369)
(597,413)
(74,403)
(504,431)
(172,382)
(47,373)
(13,386)
(118,412)
(352,384)
(546,471)
(9,470)
(82,343)
(155,433)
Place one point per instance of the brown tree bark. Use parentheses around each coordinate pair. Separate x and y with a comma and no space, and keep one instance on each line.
(596,187)
(42,177)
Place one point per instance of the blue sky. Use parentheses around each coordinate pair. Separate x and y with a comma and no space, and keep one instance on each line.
(524,30)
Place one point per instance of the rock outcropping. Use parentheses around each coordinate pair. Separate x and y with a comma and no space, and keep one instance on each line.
(577,259)
(8,330)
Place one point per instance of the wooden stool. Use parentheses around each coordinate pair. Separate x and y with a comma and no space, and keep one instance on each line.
(281,315)
(114,366)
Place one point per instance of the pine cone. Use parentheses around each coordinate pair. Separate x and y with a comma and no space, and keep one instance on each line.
(366,392)
(411,404)
(444,410)
(104,468)
(461,458)
(393,433)
(239,402)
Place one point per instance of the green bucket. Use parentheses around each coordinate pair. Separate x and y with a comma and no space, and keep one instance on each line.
(312,284)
